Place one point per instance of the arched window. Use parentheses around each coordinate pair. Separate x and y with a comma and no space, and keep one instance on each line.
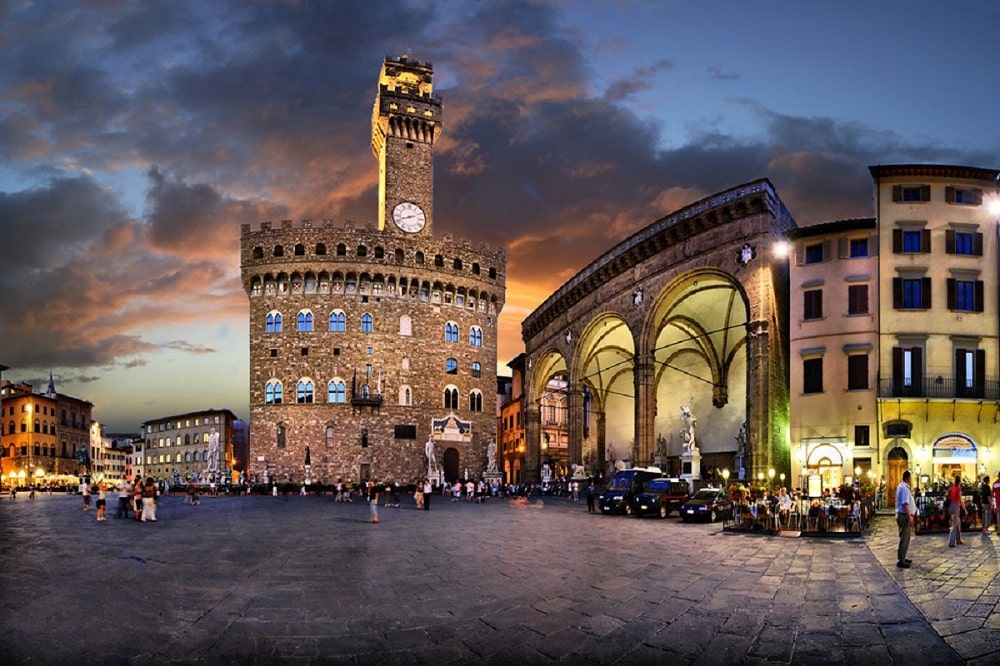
(11,428)
(38,426)
(366,323)
(336,391)
(457,264)
(187,456)
(476,401)
(451,366)
(341,250)
(300,249)
(362,251)
(272,393)
(279,251)
(320,249)
(258,252)
(451,398)
(304,392)
(399,256)
(438,261)
(196,456)
(451,332)
(329,435)
(405,396)
(405,325)
(338,321)
(476,336)
(304,322)
(273,322)
(477,369)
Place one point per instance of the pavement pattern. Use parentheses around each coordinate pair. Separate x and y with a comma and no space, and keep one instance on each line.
(305,580)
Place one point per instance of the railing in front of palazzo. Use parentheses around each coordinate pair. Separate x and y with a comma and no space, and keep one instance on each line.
(939,387)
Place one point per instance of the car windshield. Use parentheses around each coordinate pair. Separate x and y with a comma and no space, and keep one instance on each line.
(706,495)
(621,481)
(659,485)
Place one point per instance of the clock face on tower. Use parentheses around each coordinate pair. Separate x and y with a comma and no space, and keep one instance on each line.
(409,217)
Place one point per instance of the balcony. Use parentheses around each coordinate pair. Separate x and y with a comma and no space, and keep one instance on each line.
(361,401)
(938,388)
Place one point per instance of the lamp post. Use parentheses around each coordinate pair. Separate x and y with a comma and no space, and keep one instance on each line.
(725,477)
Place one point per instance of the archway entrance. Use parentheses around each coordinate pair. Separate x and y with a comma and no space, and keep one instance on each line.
(896,463)
(451,465)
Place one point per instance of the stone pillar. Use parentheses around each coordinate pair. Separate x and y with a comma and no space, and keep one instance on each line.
(644,374)
(574,426)
(601,437)
(532,444)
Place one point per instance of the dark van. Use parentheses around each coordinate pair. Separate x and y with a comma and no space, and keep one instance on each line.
(619,495)
(660,497)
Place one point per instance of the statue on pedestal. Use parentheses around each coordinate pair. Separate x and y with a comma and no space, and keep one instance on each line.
(687,432)
(432,464)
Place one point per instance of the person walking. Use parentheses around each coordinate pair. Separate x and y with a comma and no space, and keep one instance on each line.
(137,497)
(428,490)
(371,494)
(986,503)
(905,510)
(591,492)
(85,491)
(957,510)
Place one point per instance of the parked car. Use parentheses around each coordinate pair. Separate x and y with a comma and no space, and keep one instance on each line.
(707,504)
(660,497)
(619,495)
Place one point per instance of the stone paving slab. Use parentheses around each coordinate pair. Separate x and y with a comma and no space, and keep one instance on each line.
(304,580)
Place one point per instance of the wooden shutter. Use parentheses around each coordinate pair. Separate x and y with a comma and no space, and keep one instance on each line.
(979,296)
(925,192)
(925,292)
(897,193)
(897,292)
(897,240)
(952,296)
(977,244)
(980,370)
(949,194)
(949,241)
(925,240)
(844,248)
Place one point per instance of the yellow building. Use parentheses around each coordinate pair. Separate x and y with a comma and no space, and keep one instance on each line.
(939,375)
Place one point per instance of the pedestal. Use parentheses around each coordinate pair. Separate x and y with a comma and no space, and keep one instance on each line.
(691,466)
(493,479)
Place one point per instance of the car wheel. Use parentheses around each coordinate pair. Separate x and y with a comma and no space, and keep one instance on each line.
(628,510)
(664,512)
(714,516)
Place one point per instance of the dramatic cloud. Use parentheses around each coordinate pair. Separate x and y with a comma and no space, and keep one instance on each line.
(136,138)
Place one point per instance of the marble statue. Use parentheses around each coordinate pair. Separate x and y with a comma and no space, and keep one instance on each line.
(432,465)
(213,452)
(491,457)
(687,432)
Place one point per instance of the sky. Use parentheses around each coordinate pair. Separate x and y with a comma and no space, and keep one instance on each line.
(136,136)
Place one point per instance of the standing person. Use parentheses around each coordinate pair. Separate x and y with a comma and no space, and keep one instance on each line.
(149,500)
(428,491)
(137,497)
(591,492)
(102,500)
(339,496)
(124,499)
(371,494)
(418,495)
(996,501)
(957,509)
(986,503)
(85,491)
(905,510)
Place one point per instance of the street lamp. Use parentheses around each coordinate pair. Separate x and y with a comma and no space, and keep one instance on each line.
(770,478)
(725,476)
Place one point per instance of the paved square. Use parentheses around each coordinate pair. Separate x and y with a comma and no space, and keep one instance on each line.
(306,580)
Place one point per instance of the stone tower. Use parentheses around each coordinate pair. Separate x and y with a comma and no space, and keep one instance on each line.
(406,120)
(365,341)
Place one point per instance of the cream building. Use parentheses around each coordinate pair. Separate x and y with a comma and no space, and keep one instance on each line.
(833,364)
(939,374)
